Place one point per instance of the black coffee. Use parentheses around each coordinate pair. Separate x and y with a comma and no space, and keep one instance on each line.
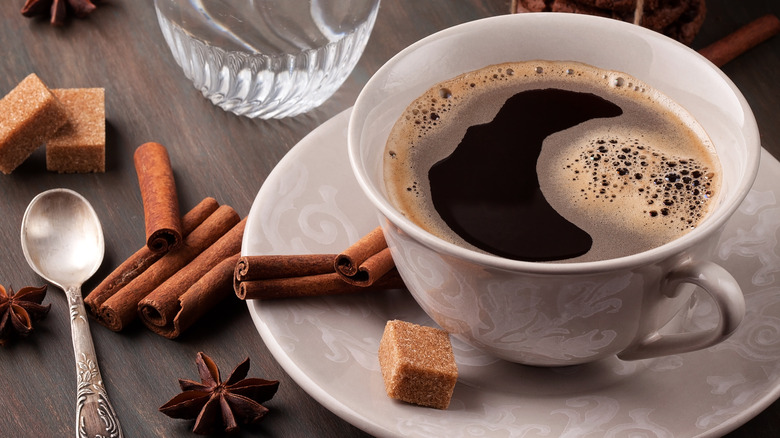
(487,190)
(550,161)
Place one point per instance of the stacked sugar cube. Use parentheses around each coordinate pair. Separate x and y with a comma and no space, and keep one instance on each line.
(71,122)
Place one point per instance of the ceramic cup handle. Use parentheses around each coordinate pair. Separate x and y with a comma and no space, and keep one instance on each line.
(725,293)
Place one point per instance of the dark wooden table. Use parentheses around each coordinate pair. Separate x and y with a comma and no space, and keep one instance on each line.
(217,154)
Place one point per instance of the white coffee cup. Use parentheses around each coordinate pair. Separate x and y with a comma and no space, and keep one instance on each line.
(563,313)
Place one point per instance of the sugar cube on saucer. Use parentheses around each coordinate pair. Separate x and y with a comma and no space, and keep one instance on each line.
(417,364)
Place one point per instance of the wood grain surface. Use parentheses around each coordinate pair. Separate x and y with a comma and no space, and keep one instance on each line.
(214,153)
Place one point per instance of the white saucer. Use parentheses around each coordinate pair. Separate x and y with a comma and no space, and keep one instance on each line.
(311,204)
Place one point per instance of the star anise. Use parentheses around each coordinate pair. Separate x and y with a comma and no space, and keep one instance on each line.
(58,9)
(18,311)
(218,405)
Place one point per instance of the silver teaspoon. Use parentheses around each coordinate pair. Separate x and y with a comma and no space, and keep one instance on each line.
(62,241)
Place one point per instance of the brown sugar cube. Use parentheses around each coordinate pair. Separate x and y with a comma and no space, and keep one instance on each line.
(29,115)
(80,145)
(417,364)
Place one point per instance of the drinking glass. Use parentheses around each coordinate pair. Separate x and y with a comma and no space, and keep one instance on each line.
(267,58)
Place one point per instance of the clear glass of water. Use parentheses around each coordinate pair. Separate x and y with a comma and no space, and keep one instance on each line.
(267,58)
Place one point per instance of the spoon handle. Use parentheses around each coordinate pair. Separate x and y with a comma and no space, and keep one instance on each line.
(95,417)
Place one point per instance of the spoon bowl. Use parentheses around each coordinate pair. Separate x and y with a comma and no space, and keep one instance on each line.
(62,241)
(62,238)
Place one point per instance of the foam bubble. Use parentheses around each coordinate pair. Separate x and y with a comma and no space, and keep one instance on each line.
(676,189)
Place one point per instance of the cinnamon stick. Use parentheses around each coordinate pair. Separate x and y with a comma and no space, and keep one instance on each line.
(143,258)
(742,40)
(201,297)
(311,286)
(366,260)
(281,266)
(158,193)
(119,310)
(158,309)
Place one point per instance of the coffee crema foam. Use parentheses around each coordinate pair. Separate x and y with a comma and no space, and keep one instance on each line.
(632,182)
